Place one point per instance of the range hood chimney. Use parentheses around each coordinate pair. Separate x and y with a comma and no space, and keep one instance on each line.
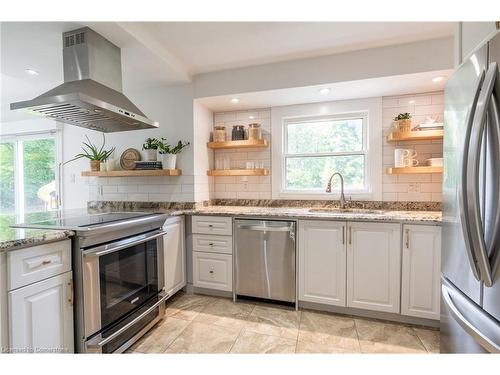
(91,95)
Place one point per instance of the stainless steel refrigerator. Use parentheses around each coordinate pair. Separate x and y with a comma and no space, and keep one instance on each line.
(470,279)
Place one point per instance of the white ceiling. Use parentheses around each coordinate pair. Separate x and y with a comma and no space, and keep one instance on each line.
(211,46)
(155,54)
(366,88)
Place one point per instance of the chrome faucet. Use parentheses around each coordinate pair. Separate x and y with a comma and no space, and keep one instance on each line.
(329,189)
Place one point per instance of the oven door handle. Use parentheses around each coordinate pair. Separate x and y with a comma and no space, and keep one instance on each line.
(108,249)
(92,344)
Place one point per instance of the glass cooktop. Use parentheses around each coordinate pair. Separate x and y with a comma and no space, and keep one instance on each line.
(75,221)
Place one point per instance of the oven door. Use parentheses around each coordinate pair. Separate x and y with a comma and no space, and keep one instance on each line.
(119,278)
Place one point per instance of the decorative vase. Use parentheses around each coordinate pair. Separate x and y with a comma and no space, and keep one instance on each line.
(168,161)
(149,155)
(102,166)
(95,165)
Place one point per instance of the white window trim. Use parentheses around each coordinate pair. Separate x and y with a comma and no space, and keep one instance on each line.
(371,108)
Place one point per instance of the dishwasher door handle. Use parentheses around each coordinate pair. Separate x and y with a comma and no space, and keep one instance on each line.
(261,228)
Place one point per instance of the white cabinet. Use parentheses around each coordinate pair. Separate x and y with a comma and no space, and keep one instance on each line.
(174,255)
(420,294)
(213,225)
(322,262)
(213,271)
(373,266)
(41,316)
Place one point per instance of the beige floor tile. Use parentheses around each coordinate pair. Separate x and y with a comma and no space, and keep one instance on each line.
(274,321)
(204,338)
(327,333)
(161,336)
(225,313)
(381,337)
(258,343)
(187,306)
(430,339)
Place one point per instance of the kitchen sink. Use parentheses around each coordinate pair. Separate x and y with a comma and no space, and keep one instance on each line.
(348,210)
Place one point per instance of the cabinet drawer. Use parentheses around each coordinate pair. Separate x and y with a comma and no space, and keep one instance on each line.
(213,244)
(213,271)
(32,264)
(212,225)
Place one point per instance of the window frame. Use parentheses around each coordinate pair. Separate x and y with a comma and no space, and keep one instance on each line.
(336,117)
(17,139)
(369,109)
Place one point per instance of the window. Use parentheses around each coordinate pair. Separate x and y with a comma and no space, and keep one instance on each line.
(312,141)
(317,147)
(28,173)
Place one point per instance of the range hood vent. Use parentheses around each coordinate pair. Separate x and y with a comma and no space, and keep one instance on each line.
(90,96)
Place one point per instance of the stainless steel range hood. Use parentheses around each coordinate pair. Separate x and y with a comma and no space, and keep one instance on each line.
(91,95)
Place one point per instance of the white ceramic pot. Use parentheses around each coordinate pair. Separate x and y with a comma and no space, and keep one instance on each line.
(168,161)
(149,155)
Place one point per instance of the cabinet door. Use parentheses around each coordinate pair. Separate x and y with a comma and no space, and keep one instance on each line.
(420,294)
(322,262)
(174,255)
(373,266)
(41,316)
(213,271)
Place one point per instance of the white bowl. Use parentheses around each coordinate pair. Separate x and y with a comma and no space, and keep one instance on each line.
(435,162)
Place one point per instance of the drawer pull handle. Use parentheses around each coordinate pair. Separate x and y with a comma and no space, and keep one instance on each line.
(211,271)
(210,225)
(210,244)
(45,262)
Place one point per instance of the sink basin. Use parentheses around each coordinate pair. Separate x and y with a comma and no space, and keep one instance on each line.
(347,210)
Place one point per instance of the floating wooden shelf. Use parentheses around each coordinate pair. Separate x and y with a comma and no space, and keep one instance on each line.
(249,143)
(238,172)
(135,173)
(418,135)
(410,170)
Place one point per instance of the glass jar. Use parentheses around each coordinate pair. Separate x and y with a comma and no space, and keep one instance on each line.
(238,133)
(254,132)
(220,133)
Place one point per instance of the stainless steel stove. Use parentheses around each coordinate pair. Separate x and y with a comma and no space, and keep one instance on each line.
(118,275)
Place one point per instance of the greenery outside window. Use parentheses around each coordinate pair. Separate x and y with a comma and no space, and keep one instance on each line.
(28,165)
(314,148)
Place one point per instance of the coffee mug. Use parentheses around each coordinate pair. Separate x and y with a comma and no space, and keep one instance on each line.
(410,162)
(400,154)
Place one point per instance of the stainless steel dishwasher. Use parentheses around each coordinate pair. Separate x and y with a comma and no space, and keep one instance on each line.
(265,259)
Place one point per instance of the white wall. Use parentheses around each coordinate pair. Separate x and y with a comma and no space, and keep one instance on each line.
(418,187)
(202,155)
(172,108)
(429,55)
(469,35)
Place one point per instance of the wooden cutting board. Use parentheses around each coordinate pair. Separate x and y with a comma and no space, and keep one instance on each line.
(129,157)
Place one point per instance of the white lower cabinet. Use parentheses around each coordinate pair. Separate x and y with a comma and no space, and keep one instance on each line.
(373,266)
(322,262)
(213,271)
(174,255)
(41,316)
(420,294)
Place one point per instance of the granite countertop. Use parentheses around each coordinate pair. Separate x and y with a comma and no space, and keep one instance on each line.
(305,213)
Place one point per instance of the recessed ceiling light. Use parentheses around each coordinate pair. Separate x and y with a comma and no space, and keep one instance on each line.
(411,102)
(437,79)
(31,72)
(251,117)
(324,91)
(235,100)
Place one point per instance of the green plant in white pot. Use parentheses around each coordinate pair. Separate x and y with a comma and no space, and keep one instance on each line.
(149,148)
(169,153)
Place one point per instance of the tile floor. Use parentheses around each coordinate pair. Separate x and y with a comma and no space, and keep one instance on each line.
(203,324)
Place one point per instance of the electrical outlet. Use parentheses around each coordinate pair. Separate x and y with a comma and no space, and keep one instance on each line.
(414,188)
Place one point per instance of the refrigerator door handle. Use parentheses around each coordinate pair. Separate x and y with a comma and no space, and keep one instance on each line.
(462,189)
(456,303)
(474,211)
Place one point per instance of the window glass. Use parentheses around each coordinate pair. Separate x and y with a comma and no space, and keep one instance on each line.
(325,136)
(7,178)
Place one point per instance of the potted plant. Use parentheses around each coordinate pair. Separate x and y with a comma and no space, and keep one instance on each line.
(403,121)
(95,154)
(169,153)
(149,149)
